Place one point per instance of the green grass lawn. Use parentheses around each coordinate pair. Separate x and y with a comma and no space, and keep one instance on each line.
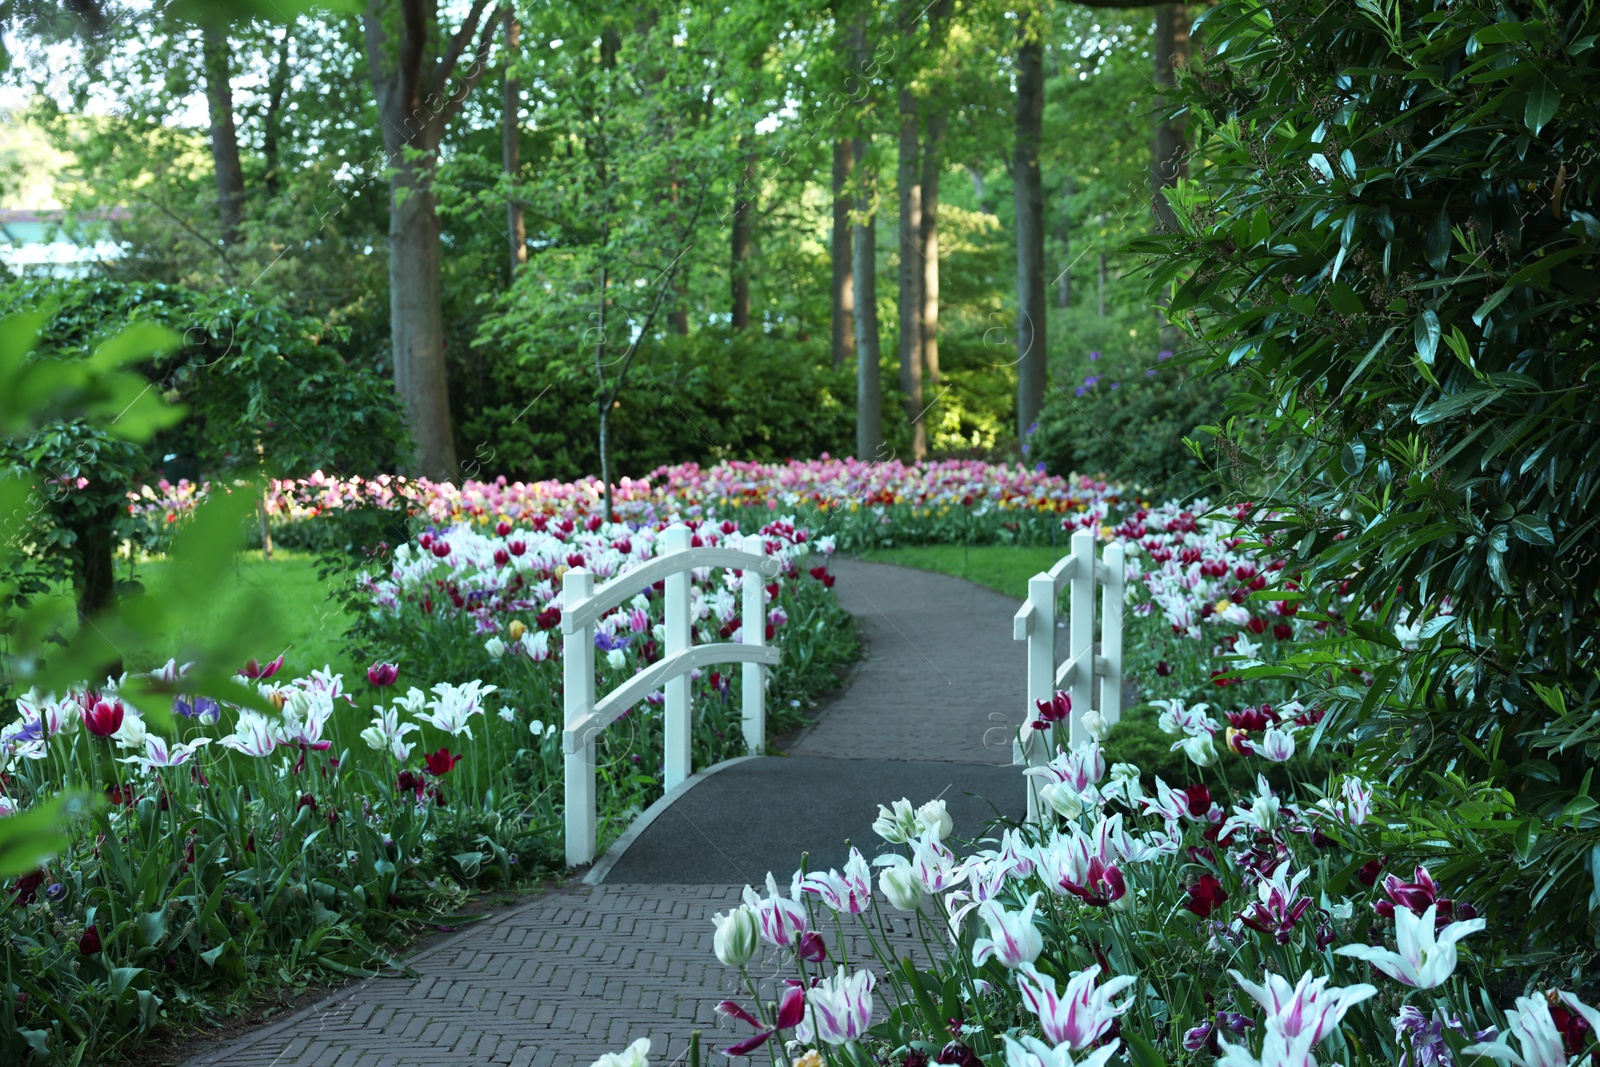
(306,620)
(1003,568)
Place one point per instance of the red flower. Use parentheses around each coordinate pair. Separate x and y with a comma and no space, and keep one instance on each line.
(811,947)
(440,549)
(256,672)
(103,718)
(1252,718)
(1163,668)
(410,781)
(383,674)
(1257,624)
(1368,874)
(548,619)
(1102,885)
(821,574)
(26,888)
(1420,895)
(501,557)
(1199,800)
(502,528)
(1056,709)
(89,943)
(440,763)
(1205,896)
(1282,631)
(575,560)
(517,548)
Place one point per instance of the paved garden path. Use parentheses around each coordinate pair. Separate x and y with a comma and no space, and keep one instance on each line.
(587,968)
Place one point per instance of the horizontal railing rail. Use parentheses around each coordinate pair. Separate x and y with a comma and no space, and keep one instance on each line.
(583,606)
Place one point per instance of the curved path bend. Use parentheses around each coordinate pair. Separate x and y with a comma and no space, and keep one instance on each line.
(589,967)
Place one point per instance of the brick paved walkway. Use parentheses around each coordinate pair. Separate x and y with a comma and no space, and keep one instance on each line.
(586,969)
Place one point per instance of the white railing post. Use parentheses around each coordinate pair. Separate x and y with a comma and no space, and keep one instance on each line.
(676,538)
(754,688)
(1080,633)
(1041,677)
(577,655)
(1111,602)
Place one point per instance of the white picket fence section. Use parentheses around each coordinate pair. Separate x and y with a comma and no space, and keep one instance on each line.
(583,606)
(1035,623)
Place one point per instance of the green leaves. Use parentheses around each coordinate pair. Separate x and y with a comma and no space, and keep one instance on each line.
(1544,100)
(1426,332)
(29,838)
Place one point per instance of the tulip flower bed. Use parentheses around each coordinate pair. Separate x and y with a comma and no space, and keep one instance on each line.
(1147,923)
(1196,579)
(486,604)
(861,504)
(234,847)
(313,826)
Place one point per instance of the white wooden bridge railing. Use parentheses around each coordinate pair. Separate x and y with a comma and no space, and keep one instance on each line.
(1035,623)
(583,606)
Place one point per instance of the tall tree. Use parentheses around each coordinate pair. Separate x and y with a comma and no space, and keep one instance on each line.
(1032,371)
(909,188)
(841,254)
(932,162)
(412,65)
(1064,235)
(1169,150)
(869,370)
(272,116)
(224,134)
(744,210)
(511,138)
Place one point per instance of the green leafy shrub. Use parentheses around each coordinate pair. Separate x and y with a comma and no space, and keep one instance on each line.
(264,389)
(1396,250)
(1130,429)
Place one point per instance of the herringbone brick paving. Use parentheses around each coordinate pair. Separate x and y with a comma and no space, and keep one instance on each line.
(586,969)
(552,983)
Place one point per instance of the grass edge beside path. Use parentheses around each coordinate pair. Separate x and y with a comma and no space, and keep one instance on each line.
(1003,568)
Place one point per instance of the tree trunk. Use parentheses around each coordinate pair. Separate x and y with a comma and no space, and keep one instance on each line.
(978,189)
(1101,291)
(1064,235)
(224,135)
(272,120)
(843,284)
(1170,148)
(932,163)
(910,191)
(864,271)
(409,77)
(416,316)
(743,214)
(511,141)
(1032,369)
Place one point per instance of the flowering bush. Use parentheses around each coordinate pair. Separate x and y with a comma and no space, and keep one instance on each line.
(1101,936)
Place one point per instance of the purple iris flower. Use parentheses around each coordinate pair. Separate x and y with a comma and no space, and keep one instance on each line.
(1164,355)
(1079,391)
(1151,373)
(204,708)
(1094,357)
(1116,385)
(607,643)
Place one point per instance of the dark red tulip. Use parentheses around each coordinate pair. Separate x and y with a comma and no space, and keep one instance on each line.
(440,763)
(383,674)
(811,947)
(103,718)
(1102,885)
(440,549)
(1163,668)
(89,943)
(1205,896)
(502,528)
